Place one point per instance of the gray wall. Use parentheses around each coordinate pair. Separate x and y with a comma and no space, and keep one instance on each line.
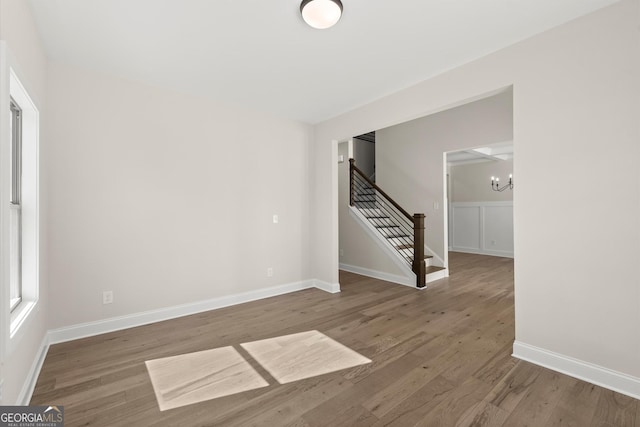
(364,153)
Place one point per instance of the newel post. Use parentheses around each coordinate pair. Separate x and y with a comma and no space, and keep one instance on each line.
(351,165)
(419,265)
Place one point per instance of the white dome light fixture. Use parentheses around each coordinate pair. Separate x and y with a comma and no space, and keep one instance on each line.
(321,14)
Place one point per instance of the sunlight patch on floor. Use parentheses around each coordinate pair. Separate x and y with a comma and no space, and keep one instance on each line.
(304,355)
(204,375)
(196,377)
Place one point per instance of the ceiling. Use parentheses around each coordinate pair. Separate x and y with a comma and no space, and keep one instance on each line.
(260,54)
(492,153)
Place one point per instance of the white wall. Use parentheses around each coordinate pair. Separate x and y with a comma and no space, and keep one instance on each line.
(167,199)
(472,182)
(409,156)
(575,91)
(26,56)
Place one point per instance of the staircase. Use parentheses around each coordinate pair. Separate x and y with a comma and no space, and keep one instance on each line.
(402,232)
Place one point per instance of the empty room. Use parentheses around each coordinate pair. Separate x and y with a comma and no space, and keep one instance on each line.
(320,213)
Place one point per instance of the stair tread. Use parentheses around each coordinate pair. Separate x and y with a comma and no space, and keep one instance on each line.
(401,247)
(433,269)
(387,226)
(377,217)
(410,259)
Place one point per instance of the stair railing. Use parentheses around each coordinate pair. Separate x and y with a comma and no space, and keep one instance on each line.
(403,230)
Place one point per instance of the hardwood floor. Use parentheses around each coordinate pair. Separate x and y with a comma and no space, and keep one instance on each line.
(440,357)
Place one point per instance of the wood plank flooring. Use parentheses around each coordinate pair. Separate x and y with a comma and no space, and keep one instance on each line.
(440,357)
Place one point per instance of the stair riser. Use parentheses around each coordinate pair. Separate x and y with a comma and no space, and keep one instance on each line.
(395,241)
(366,211)
(427,262)
(370,208)
(407,253)
(377,222)
(365,206)
(394,233)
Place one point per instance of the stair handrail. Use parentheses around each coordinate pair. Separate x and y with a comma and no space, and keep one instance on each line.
(418,265)
(354,168)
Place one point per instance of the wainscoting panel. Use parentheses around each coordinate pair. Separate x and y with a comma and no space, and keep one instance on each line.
(466,228)
(483,228)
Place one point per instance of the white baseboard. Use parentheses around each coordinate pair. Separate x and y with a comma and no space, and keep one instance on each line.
(482,252)
(332,288)
(598,375)
(89,329)
(30,384)
(83,330)
(393,278)
(437,275)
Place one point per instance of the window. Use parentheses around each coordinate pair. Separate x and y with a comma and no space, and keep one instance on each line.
(20,144)
(15,248)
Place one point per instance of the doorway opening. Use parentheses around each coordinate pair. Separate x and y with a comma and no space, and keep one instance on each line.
(364,153)
(407,163)
(479,200)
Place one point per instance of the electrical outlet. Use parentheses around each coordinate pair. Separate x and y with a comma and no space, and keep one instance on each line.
(107,297)
(270,272)
(493,242)
(275,219)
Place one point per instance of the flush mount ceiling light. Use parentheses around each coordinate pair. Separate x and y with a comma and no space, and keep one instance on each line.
(321,14)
